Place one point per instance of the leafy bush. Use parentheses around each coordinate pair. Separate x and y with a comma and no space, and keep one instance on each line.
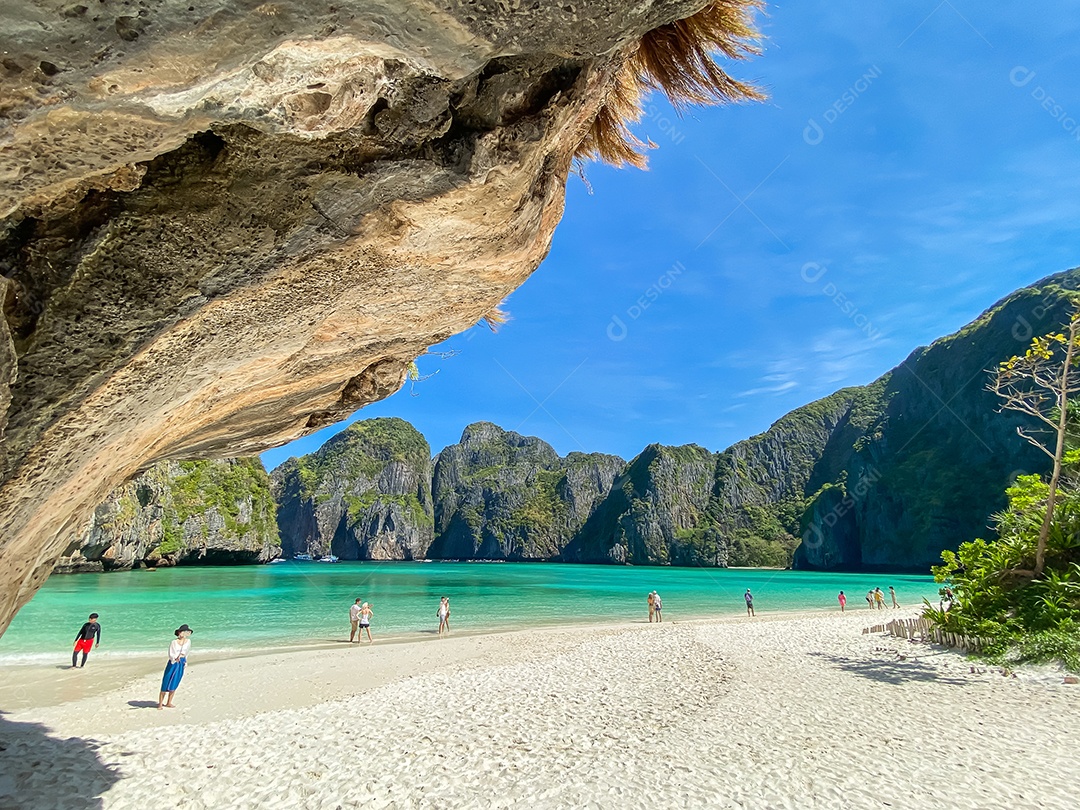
(996,597)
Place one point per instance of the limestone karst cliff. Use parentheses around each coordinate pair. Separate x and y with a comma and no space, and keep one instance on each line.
(500,495)
(656,500)
(177,513)
(927,473)
(893,473)
(364,495)
(879,476)
(226,224)
(882,476)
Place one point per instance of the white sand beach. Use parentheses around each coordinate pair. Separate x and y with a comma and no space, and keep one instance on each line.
(779,711)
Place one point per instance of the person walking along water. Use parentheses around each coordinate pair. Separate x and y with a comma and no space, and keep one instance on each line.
(444,614)
(879,598)
(174,670)
(843,601)
(892,593)
(658,605)
(88,636)
(652,606)
(749,597)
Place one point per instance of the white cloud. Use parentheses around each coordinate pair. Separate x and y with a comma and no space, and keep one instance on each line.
(768,389)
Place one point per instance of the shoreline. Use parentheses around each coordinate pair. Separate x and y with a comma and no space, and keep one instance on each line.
(783,710)
(22,686)
(46,658)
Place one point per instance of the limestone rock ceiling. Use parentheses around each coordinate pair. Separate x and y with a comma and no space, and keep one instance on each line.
(228,224)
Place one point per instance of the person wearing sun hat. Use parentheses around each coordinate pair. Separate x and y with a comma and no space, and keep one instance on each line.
(174,670)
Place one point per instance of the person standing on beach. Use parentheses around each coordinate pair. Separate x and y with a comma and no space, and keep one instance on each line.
(749,597)
(879,598)
(843,601)
(444,614)
(870,599)
(658,606)
(174,670)
(892,593)
(89,635)
(652,606)
(354,621)
(365,622)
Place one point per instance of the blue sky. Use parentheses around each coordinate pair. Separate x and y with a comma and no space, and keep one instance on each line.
(914,163)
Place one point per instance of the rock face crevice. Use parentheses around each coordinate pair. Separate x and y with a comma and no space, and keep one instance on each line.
(226,224)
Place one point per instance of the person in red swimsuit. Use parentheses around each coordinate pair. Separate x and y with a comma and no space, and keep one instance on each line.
(89,634)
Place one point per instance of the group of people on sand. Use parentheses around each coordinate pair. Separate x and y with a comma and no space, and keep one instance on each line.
(360,619)
(656,605)
(89,637)
(875,599)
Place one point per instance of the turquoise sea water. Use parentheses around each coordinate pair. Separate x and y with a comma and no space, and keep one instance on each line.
(298,603)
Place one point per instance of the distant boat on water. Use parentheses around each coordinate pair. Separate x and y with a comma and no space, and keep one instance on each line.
(328,558)
(278,560)
(302,557)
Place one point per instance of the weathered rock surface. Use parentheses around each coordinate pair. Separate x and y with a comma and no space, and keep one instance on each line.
(227,224)
(881,476)
(179,513)
(932,455)
(657,497)
(502,496)
(364,495)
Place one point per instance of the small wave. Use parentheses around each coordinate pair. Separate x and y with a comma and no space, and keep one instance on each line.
(39,658)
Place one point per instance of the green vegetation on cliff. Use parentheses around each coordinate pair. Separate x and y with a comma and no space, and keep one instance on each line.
(882,476)
(500,495)
(361,451)
(356,506)
(238,490)
(365,494)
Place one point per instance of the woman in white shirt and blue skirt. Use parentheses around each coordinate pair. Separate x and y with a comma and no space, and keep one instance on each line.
(174,670)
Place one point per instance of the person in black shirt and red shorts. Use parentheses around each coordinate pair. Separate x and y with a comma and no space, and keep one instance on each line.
(89,633)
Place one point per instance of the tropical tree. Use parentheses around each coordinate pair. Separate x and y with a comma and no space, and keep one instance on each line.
(1041,383)
(1023,618)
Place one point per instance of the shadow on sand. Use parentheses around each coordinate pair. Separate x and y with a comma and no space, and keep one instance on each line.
(38,770)
(142,704)
(894,671)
